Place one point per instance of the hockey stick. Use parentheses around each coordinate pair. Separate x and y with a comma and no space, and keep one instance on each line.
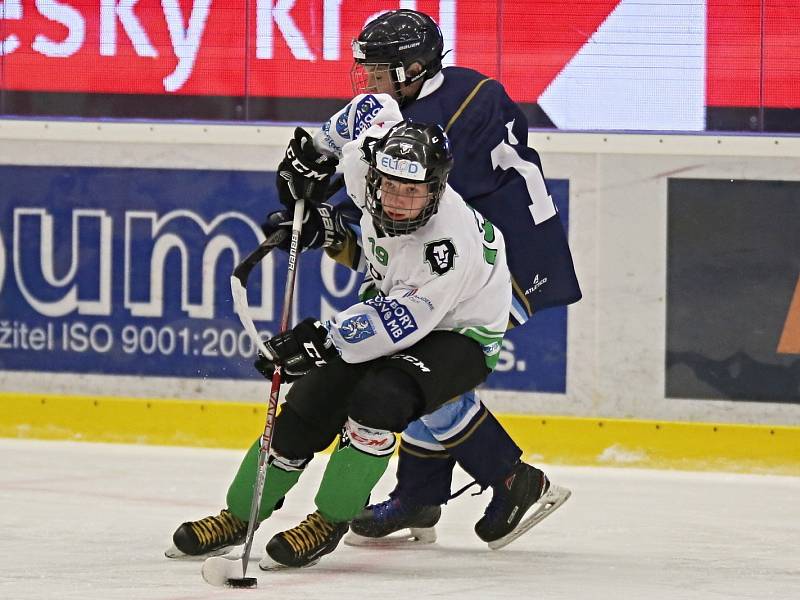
(218,570)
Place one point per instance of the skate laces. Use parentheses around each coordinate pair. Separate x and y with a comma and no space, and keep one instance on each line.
(495,508)
(219,528)
(466,487)
(314,530)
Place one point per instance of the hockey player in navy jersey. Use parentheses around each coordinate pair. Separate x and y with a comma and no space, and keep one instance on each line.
(496,172)
(400,54)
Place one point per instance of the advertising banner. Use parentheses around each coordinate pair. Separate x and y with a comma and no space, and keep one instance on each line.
(588,64)
(126,271)
(733,290)
(288,48)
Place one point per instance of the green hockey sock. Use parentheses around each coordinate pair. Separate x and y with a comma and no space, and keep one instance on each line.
(348,480)
(240,492)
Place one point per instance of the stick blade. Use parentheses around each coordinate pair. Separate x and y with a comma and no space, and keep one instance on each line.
(225,572)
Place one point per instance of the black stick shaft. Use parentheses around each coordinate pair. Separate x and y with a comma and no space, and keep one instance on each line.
(266,437)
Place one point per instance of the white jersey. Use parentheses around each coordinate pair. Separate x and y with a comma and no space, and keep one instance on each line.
(449,274)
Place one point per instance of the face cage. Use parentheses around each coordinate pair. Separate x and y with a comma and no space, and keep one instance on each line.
(359,78)
(400,227)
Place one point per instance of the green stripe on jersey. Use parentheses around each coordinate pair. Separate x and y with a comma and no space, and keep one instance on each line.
(491,342)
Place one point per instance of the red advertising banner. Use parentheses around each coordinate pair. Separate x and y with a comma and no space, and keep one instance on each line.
(283,48)
(603,64)
(753,53)
(225,47)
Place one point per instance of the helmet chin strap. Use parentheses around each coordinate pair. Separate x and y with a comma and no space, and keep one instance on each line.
(399,84)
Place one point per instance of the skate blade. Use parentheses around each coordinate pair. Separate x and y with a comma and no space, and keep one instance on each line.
(267,564)
(412,536)
(175,554)
(543,508)
(220,571)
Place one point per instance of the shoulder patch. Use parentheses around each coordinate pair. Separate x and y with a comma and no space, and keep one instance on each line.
(356,329)
(365,111)
(341,123)
(440,256)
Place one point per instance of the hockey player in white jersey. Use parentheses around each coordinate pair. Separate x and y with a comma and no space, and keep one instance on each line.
(428,328)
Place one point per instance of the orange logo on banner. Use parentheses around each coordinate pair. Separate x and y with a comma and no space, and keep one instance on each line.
(790,338)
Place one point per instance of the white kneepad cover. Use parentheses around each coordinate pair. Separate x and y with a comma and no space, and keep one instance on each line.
(378,442)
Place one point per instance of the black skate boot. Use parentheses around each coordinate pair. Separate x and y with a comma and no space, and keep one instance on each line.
(519,502)
(211,536)
(302,546)
(380,520)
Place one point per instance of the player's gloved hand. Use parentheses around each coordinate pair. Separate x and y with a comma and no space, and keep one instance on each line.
(321,227)
(305,347)
(304,172)
(266,367)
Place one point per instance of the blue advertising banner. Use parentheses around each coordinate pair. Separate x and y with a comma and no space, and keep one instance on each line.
(126,271)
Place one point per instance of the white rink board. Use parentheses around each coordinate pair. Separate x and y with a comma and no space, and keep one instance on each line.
(616,334)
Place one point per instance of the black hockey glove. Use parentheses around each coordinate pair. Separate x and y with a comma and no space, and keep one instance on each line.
(304,172)
(266,367)
(321,227)
(305,347)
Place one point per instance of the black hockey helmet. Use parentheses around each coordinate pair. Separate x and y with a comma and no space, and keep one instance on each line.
(409,153)
(395,41)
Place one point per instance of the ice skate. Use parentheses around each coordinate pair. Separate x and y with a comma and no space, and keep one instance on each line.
(522,500)
(375,524)
(212,536)
(304,545)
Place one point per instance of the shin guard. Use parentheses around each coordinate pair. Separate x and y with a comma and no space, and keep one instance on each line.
(282,474)
(353,470)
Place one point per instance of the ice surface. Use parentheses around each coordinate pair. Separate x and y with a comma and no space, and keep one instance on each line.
(91,522)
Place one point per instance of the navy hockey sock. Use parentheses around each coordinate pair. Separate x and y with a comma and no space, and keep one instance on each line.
(424,476)
(483,449)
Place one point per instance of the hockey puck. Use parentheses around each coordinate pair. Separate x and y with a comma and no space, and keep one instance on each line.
(220,571)
(243,582)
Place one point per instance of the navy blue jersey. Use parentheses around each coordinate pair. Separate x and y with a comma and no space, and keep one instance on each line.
(495,172)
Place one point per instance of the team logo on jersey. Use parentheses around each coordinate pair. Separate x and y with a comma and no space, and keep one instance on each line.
(356,329)
(440,256)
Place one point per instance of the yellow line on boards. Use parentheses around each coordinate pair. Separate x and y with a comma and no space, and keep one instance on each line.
(545,439)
